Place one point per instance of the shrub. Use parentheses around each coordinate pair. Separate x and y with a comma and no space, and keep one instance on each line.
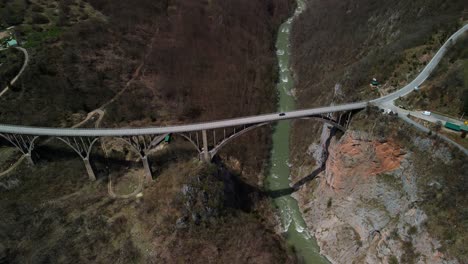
(409,253)
(394,234)
(40,19)
(37,9)
(393,260)
(412,230)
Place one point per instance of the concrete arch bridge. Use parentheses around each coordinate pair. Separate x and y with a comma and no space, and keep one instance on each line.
(207,138)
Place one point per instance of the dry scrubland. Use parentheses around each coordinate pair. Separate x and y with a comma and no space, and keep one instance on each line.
(191,213)
(168,62)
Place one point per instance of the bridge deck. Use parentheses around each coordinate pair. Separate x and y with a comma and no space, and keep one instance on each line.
(93,132)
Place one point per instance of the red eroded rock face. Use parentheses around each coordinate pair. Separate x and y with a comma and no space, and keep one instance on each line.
(353,159)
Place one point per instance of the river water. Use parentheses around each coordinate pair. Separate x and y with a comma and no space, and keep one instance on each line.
(278,179)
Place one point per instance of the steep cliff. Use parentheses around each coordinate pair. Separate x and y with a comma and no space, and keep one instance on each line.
(382,197)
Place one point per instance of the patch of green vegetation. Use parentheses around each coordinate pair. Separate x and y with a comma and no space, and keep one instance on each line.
(374,203)
(391,181)
(36,39)
(410,254)
(329,203)
(12,12)
(412,230)
(38,18)
(8,156)
(393,260)
(394,234)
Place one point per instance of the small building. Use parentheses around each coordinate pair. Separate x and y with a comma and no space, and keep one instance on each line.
(374,82)
(12,43)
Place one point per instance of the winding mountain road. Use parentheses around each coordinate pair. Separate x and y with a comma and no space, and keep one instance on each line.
(25,64)
(388,101)
(426,72)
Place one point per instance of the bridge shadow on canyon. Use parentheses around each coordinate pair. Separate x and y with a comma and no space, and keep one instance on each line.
(239,193)
(296,186)
(115,161)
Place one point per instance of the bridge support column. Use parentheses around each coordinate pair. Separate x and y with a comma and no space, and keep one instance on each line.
(142,146)
(29,158)
(23,143)
(206,153)
(89,169)
(148,174)
(83,147)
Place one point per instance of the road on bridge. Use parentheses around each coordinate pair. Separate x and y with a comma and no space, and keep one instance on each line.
(383,102)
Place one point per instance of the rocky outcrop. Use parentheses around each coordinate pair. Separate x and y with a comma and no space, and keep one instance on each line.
(203,199)
(365,209)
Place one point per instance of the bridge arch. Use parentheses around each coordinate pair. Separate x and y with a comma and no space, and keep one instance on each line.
(227,140)
(215,148)
(191,141)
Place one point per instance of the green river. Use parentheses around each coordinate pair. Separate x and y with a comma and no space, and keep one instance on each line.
(278,179)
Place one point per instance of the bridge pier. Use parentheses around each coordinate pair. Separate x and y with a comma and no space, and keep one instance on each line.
(29,158)
(142,146)
(146,166)
(89,169)
(24,143)
(83,147)
(206,152)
